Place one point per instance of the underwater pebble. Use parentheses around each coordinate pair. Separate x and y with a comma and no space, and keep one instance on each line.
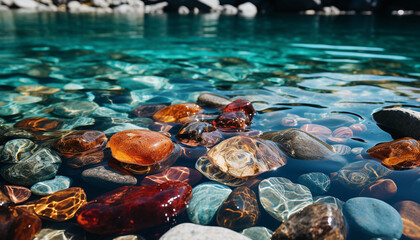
(318,183)
(195,231)
(47,187)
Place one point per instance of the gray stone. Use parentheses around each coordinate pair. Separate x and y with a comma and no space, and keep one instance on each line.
(401,122)
(187,231)
(258,233)
(28,4)
(16,150)
(42,165)
(47,187)
(74,108)
(247,9)
(212,100)
(108,179)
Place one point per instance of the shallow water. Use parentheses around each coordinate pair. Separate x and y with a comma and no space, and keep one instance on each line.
(312,66)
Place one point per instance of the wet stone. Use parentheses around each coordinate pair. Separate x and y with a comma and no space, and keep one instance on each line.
(60,206)
(329,200)
(381,189)
(358,128)
(212,100)
(232,121)
(129,237)
(122,127)
(182,174)
(176,112)
(343,132)
(77,122)
(341,149)
(36,124)
(399,121)
(212,172)
(17,224)
(207,198)
(140,147)
(257,233)
(42,165)
(198,134)
(85,159)
(104,112)
(195,231)
(61,231)
(358,175)
(16,150)
(317,130)
(401,154)
(410,214)
(318,183)
(36,90)
(17,194)
(51,186)
(132,208)
(80,142)
(244,156)
(242,105)
(147,110)
(74,108)
(239,210)
(316,221)
(102,177)
(370,217)
(4,200)
(281,198)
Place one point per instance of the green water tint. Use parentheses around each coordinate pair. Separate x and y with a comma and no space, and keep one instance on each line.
(334,71)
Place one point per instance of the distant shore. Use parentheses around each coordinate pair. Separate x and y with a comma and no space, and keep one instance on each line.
(225,7)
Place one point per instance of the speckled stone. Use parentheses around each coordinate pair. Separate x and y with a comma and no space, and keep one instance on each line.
(207,198)
(319,221)
(16,150)
(102,177)
(51,186)
(318,183)
(371,218)
(42,165)
(258,233)
(74,108)
(195,231)
(281,198)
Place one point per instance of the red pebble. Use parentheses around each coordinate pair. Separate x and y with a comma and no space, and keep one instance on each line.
(232,121)
(132,208)
(241,105)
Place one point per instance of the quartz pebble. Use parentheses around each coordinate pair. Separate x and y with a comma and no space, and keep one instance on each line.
(206,200)
(242,105)
(147,110)
(195,231)
(281,198)
(317,130)
(47,187)
(61,231)
(239,210)
(132,208)
(316,221)
(341,149)
(330,200)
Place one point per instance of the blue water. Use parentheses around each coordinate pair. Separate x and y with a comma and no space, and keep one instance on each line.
(312,66)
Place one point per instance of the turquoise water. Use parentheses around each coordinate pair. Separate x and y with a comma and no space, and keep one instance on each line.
(312,66)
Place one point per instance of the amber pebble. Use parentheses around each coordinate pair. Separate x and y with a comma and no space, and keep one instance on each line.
(4,200)
(381,189)
(198,118)
(61,205)
(240,209)
(132,208)
(18,224)
(343,132)
(17,194)
(241,105)
(80,142)
(198,133)
(140,147)
(181,174)
(86,159)
(400,154)
(232,121)
(39,124)
(147,110)
(410,215)
(175,112)
(317,130)
(358,127)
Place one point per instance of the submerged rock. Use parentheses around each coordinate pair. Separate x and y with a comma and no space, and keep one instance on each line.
(198,133)
(315,222)
(195,231)
(36,124)
(17,224)
(17,194)
(381,189)
(232,121)
(399,121)
(258,233)
(104,178)
(182,174)
(61,231)
(177,112)
(74,108)
(318,183)
(212,100)
(80,142)
(51,186)
(410,214)
(16,150)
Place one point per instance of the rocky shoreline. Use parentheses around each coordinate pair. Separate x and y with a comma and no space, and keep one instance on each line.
(226,7)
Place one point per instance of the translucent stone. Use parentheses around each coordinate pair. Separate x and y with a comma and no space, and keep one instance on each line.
(207,198)
(80,142)
(182,174)
(132,208)
(258,233)
(244,156)
(212,172)
(176,112)
(343,132)
(147,110)
(318,183)
(341,149)
(140,147)
(317,130)
(198,134)
(330,200)
(410,214)
(77,122)
(281,198)
(35,124)
(401,154)
(241,105)
(51,186)
(315,222)
(74,108)
(17,194)
(61,205)
(232,121)
(358,127)
(358,175)
(18,224)
(17,150)
(239,210)
(61,231)
(85,159)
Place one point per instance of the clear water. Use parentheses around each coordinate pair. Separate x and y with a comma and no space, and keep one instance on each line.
(312,66)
